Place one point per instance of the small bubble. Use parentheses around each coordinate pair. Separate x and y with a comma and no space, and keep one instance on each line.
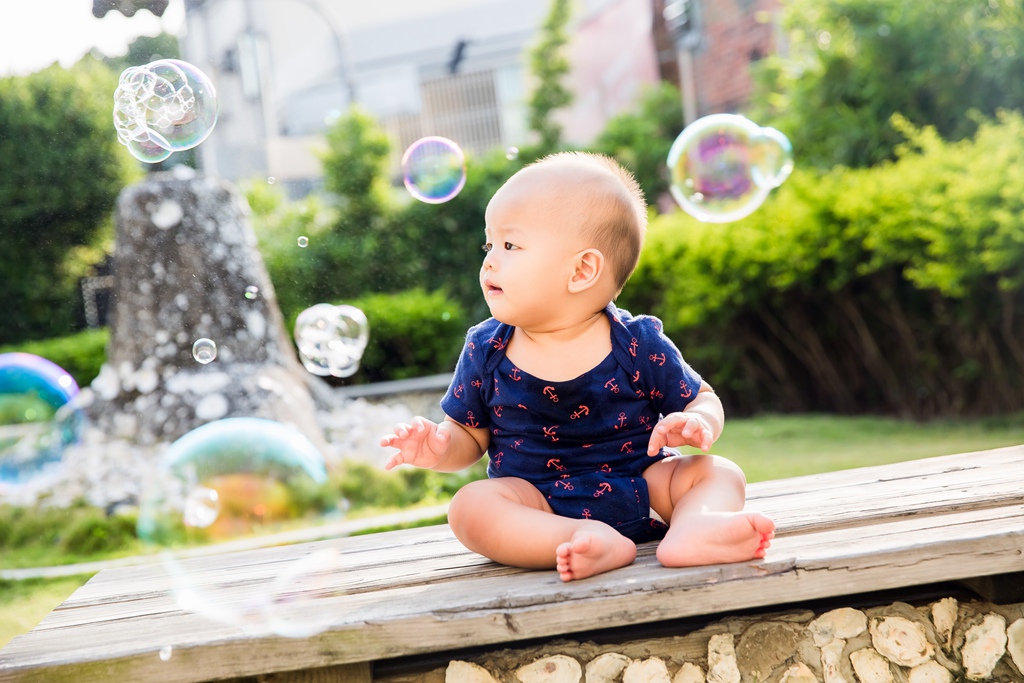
(303,241)
(165,652)
(271,180)
(204,350)
(512,153)
(252,291)
(446,316)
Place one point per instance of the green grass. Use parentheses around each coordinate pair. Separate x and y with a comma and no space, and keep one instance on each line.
(23,604)
(766,447)
(776,446)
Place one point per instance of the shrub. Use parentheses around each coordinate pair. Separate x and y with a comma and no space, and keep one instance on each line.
(95,532)
(412,334)
(81,354)
(890,289)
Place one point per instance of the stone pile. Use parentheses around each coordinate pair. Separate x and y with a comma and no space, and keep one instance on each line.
(942,642)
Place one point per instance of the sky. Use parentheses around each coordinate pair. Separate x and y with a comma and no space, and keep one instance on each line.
(37,33)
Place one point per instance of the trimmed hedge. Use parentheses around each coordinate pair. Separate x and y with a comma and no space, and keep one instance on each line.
(893,289)
(81,354)
(412,334)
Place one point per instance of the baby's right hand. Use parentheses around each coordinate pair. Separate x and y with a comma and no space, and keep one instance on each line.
(422,443)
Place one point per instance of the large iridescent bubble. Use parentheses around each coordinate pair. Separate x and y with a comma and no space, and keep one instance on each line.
(331,339)
(723,166)
(434,169)
(163,107)
(38,418)
(237,481)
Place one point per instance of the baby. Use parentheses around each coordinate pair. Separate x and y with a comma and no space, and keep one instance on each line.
(578,403)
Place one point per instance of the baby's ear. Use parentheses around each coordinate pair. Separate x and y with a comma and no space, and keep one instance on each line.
(588,267)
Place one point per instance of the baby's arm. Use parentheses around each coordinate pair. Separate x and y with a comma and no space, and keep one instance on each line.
(446,447)
(698,425)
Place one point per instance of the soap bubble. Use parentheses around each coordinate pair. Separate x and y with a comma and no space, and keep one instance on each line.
(434,169)
(252,291)
(723,166)
(163,107)
(165,653)
(204,350)
(331,339)
(236,480)
(39,417)
(303,241)
(512,153)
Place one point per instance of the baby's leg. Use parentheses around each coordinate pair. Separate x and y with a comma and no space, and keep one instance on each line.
(508,520)
(702,496)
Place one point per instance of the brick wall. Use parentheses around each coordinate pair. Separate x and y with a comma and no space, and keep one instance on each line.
(734,34)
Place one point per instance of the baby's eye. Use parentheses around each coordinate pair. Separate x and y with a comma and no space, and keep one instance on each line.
(487,247)
(509,246)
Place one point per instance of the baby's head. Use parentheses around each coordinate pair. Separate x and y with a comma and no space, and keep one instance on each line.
(589,199)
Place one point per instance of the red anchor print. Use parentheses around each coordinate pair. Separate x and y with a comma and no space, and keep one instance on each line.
(646,422)
(655,393)
(586,513)
(472,347)
(517,443)
(477,383)
(515,374)
(658,358)
(684,390)
(497,411)
(496,392)
(567,485)
(606,468)
(550,393)
(497,459)
(498,344)
(636,376)
(457,391)
(557,464)
(522,406)
(603,488)
(622,421)
(633,346)
(583,411)
(495,431)
(626,447)
(550,432)
(471,419)
(612,385)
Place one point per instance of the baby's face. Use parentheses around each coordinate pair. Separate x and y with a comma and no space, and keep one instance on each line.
(531,239)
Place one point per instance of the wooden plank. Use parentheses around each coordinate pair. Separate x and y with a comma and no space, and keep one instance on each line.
(522,605)
(418,591)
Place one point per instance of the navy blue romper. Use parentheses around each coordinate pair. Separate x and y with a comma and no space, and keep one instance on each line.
(583,442)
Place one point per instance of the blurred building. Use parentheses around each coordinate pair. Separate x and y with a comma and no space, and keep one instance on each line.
(285,69)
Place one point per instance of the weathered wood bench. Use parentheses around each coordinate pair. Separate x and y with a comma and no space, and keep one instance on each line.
(415,592)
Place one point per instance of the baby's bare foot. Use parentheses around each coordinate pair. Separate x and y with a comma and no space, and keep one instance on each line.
(716,538)
(594,548)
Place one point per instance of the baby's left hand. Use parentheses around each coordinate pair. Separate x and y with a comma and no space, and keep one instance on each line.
(681,429)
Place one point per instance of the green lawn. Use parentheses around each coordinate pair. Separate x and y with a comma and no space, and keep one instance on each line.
(766,447)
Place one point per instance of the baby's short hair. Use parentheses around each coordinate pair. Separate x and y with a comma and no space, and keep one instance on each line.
(615,219)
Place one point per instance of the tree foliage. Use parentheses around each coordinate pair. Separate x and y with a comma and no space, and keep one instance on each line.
(851,64)
(892,289)
(61,169)
(549,65)
(640,140)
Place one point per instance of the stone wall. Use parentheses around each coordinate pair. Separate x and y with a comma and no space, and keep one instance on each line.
(941,642)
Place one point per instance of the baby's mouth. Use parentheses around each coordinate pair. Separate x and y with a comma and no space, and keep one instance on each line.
(491,288)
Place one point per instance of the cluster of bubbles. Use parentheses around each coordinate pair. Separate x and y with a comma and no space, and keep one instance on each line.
(723,166)
(39,415)
(233,479)
(163,107)
(331,339)
(434,169)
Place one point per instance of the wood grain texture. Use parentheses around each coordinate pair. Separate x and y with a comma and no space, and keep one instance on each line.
(418,591)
